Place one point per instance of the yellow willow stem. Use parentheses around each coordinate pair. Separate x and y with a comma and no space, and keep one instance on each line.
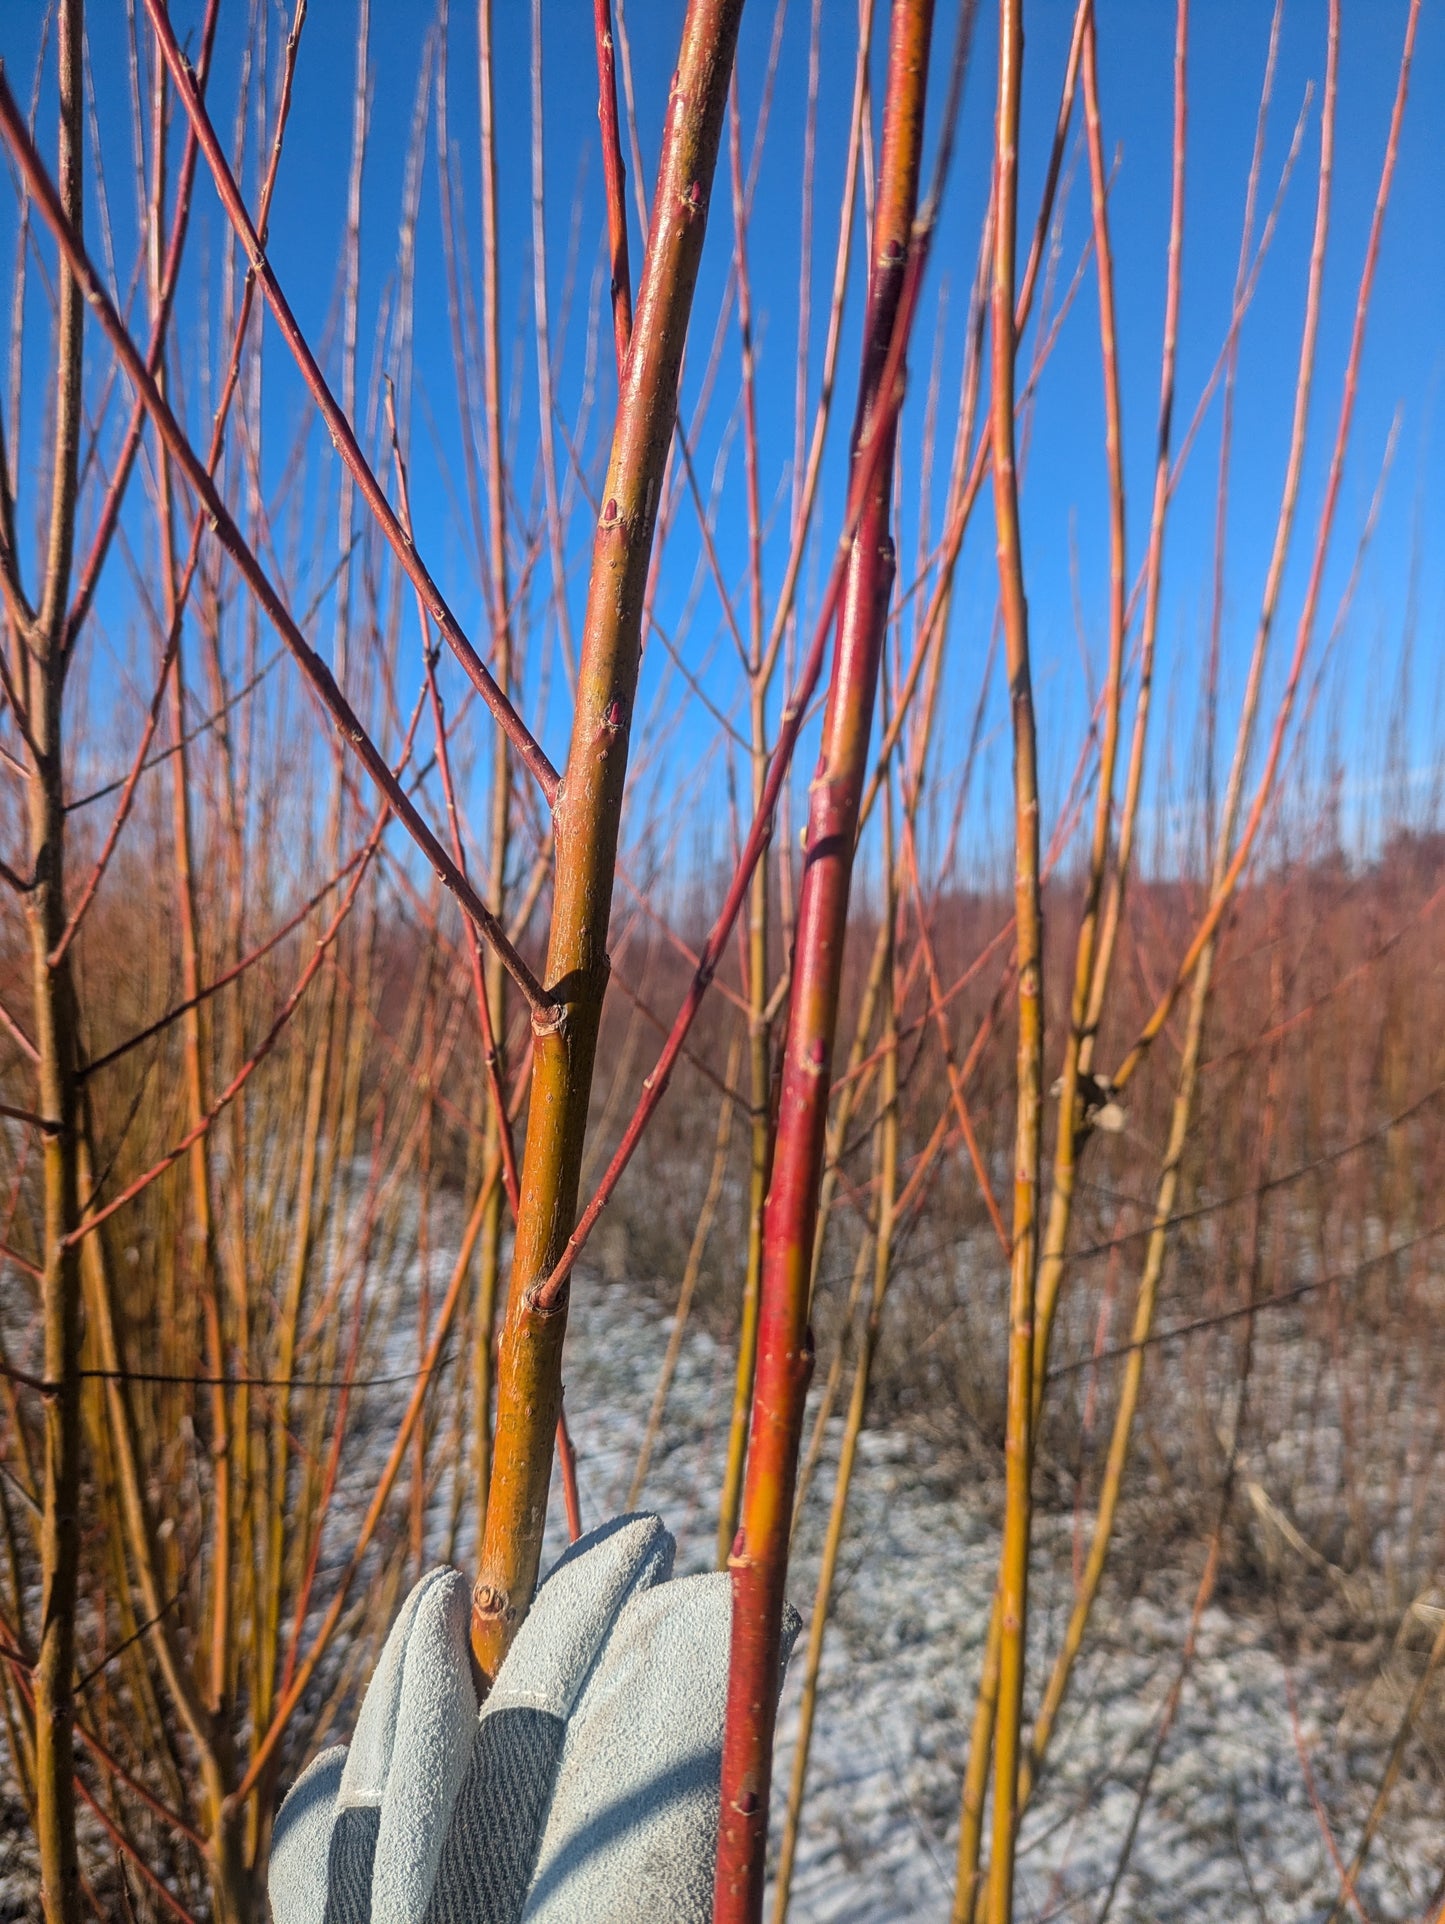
(1229,856)
(968,1888)
(1093,966)
(1018,1440)
(1154,564)
(759,1148)
(854,1085)
(1155,1252)
(1227,862)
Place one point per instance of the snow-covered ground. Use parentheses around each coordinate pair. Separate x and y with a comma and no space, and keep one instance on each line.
(1229,1830)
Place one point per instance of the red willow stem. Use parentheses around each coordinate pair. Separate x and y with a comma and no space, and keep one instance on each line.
(795,714)
(614,172)
(511,723)
(759,1557)
(234,542)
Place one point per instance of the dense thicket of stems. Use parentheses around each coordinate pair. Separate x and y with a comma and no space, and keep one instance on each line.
(283,1300)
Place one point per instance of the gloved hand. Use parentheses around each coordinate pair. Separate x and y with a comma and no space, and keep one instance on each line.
(586,1788)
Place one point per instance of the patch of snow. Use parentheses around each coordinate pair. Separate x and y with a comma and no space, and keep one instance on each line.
(1229,1830)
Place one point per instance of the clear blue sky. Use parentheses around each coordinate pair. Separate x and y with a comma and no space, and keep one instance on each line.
(1404,578)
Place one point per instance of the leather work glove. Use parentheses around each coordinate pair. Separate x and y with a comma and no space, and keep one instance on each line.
(585,1788)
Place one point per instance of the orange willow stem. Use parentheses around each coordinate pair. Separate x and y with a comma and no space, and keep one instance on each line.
(1018,1445)
(785,1353)
(587,820)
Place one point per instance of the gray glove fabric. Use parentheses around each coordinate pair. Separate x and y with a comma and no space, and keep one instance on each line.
(586,1787)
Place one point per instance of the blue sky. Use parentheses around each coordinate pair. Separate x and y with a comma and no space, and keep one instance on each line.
(1403,581)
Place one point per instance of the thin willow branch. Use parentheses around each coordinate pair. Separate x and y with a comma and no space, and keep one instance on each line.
(109,517)
(511,723)
(1223,892)
(233,541)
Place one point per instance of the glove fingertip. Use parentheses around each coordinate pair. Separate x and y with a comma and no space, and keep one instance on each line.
(435,1730)
(431,1601)
(629,1552)
(301,1841)
(576,1608)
